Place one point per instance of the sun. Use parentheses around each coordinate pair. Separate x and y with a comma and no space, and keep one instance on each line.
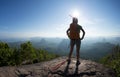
(75,14)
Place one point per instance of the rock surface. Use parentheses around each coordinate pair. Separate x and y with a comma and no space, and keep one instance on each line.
(87,68)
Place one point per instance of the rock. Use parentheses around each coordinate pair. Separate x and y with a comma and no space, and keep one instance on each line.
(22,72)
(87,68)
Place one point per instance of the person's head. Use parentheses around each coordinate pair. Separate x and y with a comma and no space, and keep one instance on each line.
(75,20)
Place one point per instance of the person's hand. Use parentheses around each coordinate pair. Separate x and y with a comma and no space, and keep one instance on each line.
(69,36)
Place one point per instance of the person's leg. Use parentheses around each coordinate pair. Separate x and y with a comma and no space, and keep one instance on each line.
(71,49)
(78,54)
(78,43)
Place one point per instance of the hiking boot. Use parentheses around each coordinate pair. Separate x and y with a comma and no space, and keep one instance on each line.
(78,63)
(69,61)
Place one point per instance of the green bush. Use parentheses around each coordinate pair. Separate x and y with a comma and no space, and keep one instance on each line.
(113,60)
(26,52)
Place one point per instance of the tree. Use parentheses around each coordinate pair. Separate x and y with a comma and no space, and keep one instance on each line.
(27,51)
(14,56)
(5,54)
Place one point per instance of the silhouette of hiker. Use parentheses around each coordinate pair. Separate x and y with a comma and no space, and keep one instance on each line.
(73,33)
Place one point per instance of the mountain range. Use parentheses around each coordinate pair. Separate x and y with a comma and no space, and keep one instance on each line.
(91,48)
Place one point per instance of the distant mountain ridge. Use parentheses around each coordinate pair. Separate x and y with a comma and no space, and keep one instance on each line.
(91,48)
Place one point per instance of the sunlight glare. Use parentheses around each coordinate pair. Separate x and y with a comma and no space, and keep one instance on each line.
(75,13)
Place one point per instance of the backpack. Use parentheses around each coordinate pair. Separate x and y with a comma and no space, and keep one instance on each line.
(75,31)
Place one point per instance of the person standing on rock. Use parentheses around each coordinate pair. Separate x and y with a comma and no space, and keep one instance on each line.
(73,33)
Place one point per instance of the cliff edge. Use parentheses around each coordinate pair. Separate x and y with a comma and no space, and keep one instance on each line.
(87,68)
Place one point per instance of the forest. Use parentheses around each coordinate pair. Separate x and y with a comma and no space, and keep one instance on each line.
(26,54)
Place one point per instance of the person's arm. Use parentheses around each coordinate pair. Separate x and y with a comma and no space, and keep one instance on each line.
(68,32)
(83,33)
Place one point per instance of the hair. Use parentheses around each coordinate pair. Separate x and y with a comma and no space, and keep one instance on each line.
(75,20)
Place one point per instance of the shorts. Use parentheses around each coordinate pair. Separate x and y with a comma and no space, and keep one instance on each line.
(76,42)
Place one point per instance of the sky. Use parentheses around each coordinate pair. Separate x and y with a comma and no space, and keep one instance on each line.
(51,18)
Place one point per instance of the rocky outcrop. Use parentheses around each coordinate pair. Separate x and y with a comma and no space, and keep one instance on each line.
(87,68)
